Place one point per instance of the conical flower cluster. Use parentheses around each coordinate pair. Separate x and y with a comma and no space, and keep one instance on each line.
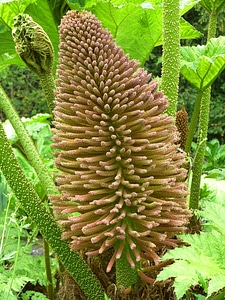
(121,180)
(182,126)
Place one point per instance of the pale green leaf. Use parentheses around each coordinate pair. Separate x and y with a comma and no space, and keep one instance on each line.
(216,283)
(137,27)
(214,214)
(19,282)
(209,247)
(217,188)
(135,24)
(183,283)
(132,27)
(10,9)
(186,5)
(187,31)
(7,43)
(7,60)
(28,169)
(197,263)
(183,279)
(201,65)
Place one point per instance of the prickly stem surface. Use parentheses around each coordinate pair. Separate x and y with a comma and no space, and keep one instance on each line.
(171,53)
(48,227)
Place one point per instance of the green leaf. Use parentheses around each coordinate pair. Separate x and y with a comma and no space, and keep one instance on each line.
(33,295)
(7,43)
(197,263)
(7,60)
(201,65)
(183,279)
(136,25)
(213,5)
(216,283)
(186,5)
(217,189)
(24,163)
(203,262)
(218,174)
(214,213)
(58,9)
(12,8)
(131,26)
(187,31)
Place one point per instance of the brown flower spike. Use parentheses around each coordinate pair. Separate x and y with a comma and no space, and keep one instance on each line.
(121,180)
(182,126)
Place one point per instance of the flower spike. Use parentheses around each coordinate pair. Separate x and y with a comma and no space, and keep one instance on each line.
(121,181)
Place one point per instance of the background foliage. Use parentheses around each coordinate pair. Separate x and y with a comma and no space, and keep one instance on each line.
(187,93)
(23,88)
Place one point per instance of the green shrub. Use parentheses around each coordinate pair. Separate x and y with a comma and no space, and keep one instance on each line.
(202,262)
(22,87)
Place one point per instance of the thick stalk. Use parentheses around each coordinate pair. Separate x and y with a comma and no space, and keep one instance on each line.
(126,276)
(212,25)
(48,227)
(48,85)
(202,130)
(50,287)
(193,123)
(171,53)
(200,151)
(27,144)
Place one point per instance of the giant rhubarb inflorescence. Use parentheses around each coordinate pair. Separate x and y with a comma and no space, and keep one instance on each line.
(121,182)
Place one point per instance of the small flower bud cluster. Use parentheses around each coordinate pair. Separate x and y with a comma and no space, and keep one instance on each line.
(182,126)
(33,44)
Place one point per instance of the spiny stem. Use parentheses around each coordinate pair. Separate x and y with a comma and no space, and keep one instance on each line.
(212,25)
(203,129)
(27,144)
(201,143)
(194,122)
(171,53)
(50,288)
(48,227)
(47,82)
(16,259)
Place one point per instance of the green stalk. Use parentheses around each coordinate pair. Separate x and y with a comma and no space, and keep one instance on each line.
(202,130)
(200,152)
(212,25)
(34,159)
(4,227)
(47,82)
(50,288)
(194,122)
(27,144)
(126,276)
(16,260)
(48,227)
(171,53)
